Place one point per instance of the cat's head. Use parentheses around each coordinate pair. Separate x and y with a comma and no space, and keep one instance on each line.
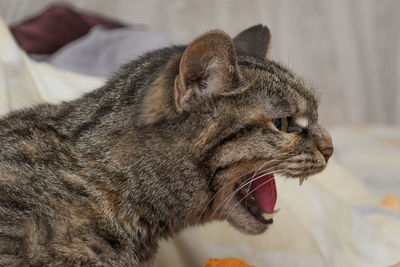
(243,118)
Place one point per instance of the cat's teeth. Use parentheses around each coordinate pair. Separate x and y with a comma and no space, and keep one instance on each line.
(270,216)
(301,180)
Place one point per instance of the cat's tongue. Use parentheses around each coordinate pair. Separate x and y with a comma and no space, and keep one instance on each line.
(264,192)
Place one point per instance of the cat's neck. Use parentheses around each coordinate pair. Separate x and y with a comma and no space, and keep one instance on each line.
(134,167)
(144,182)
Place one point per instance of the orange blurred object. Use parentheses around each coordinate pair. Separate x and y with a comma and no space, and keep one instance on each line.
(391,202)
(227,262)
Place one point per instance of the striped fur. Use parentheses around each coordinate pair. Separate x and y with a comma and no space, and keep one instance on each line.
(100,180)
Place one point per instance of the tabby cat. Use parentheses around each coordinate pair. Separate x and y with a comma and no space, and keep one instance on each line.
(182,136)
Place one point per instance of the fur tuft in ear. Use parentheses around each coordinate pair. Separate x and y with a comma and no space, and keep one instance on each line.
(207,68)
(253,42)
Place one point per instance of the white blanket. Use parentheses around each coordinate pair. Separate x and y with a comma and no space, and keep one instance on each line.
(334,219)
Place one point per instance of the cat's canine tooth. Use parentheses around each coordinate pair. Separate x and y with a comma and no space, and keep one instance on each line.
(301,180)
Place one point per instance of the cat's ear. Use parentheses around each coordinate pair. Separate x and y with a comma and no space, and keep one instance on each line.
(208,67)
(254,41)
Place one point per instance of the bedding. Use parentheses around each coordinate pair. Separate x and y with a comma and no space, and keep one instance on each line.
(335,218)
(102,51)
(84,43)
(58,25)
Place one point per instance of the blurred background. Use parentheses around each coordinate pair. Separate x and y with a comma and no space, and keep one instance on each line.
(348,50)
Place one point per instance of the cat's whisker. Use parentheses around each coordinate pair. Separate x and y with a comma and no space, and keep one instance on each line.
(230,211)
(226,200)
(241,176)
(255,173)
(219,191)
(249,183)
(261,168)
(244,184)
(258,171)
(233,208)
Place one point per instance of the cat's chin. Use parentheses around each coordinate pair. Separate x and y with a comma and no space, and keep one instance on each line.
(248,220)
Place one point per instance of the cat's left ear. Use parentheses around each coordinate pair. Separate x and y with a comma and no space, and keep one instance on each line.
(208,67)
(254,41)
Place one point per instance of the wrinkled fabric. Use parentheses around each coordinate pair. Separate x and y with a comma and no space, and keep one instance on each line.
(24,82)
(102,51)
(55,27)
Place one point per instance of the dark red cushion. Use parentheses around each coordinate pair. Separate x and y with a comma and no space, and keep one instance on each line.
(55,27)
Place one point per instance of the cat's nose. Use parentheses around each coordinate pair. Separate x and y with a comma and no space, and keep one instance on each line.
(323,141)
(324,144)
(326,152)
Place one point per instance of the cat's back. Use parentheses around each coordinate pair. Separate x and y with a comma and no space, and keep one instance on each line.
(30,138)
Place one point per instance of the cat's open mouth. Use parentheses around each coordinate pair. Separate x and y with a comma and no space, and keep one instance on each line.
(259,196)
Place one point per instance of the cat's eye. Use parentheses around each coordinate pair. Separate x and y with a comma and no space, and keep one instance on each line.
(281,124)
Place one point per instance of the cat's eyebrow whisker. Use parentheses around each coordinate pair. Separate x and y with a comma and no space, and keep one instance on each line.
(241,176)
(233,208)
(227,199)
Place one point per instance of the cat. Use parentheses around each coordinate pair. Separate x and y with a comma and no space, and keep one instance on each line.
(176,138)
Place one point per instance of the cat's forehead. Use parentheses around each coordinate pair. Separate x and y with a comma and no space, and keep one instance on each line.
(280,91)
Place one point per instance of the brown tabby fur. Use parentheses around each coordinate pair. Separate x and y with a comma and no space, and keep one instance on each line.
(100,180)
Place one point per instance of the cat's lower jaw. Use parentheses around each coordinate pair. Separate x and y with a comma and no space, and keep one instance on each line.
(246,216)
(247,222)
